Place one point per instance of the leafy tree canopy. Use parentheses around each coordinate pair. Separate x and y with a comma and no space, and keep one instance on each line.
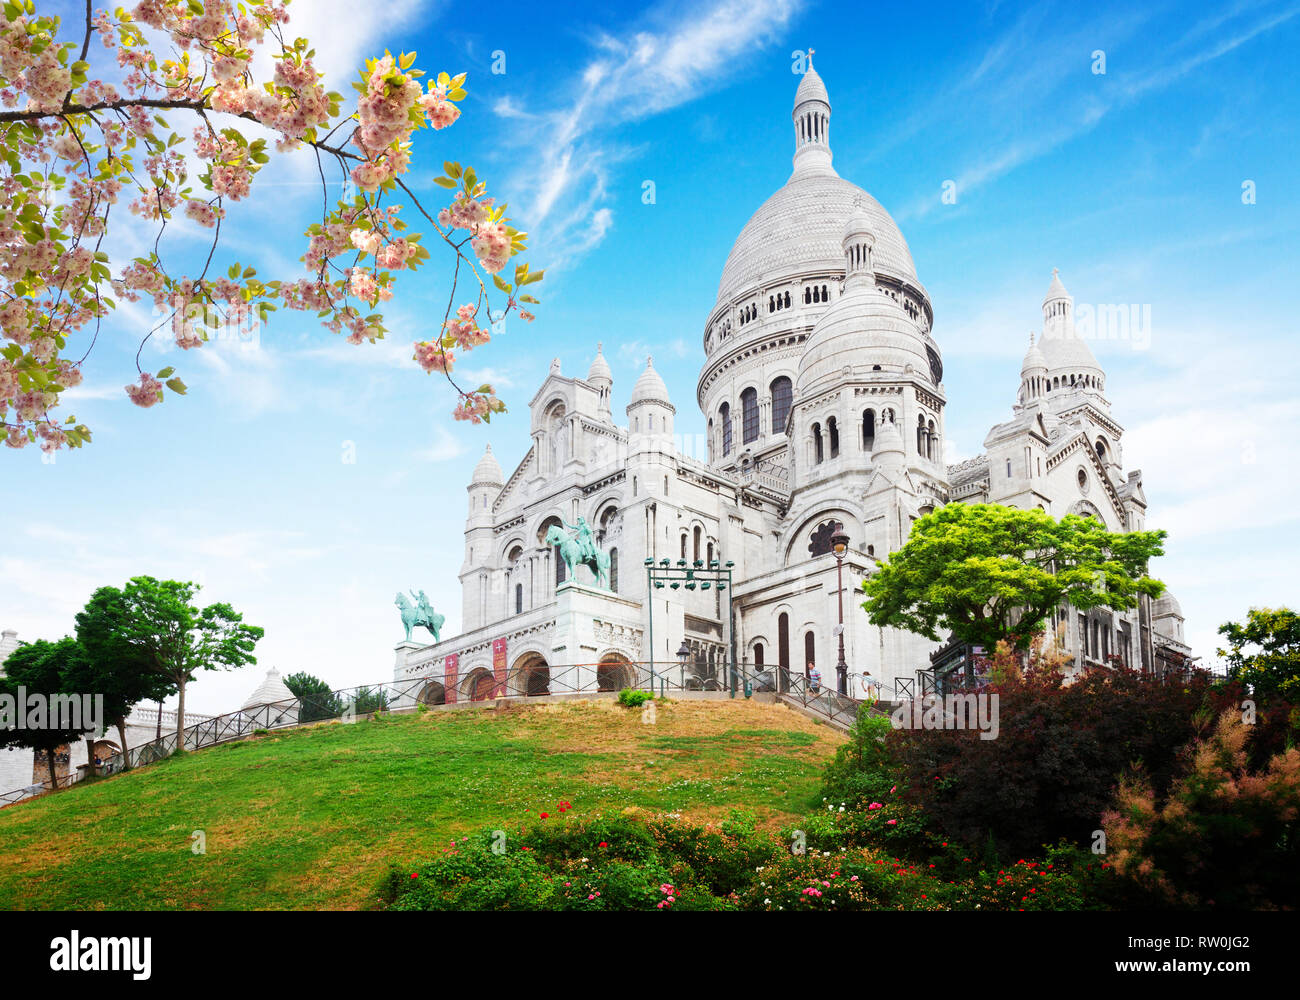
(987,573)
(1264,651)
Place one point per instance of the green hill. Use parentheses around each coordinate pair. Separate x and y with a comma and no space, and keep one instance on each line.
(310,818)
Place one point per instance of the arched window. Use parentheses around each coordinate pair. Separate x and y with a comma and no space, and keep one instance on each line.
(920,436)
(758,655)
(724,418)
(783,641)
(809,652)
(613,570)
(868,429)
(708,559)
(519,598)
(696,549)
(931,440)
(833,432)
(782,396)
(683,555)
(818,453)
(771,303)
(807,296)
(825,297)
(787,300)
(749,415)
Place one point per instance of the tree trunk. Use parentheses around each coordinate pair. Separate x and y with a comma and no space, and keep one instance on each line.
(180,717)
(121,733)
(49,759)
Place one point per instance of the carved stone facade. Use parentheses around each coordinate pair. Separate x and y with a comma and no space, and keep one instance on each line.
(822,393)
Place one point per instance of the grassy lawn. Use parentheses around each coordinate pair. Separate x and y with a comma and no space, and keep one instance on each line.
(311,818)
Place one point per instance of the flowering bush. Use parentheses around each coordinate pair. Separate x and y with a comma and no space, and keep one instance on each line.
(1225,837)
(82,142)
(664,863)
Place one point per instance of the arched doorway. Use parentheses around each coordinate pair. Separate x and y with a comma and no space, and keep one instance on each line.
(614,672)
(478,685)
(432,693)
(531,675)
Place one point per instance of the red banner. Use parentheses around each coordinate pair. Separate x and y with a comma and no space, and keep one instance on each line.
(499,667)
(449,678)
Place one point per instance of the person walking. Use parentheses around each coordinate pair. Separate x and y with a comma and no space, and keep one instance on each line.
(814,677)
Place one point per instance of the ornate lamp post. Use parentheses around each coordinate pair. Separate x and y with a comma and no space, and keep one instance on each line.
(683,653)
(840,545)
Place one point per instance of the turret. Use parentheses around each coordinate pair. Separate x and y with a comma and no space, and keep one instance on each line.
(649,413)
(602,380)
(812,124)
(858,244)
(1033,375)
(484,486)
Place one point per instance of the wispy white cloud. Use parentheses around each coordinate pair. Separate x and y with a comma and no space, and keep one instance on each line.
(676,56)
(1000,76)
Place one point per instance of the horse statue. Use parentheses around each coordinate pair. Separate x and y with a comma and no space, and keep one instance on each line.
(571,551)
(419,613)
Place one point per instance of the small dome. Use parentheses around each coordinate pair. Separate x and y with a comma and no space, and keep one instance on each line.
(1034,359)
(859,223)
(865,328)
(599,368)
(811,88)
(269,692)
(488,471)
(1166,606)
(649,388)
(1057,289)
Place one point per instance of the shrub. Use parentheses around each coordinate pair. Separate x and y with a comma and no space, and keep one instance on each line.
(1058,757)
(863,770)
(632,698)
(1225,838)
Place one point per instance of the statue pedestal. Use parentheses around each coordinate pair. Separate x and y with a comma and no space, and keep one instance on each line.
(586,618)
(403,650)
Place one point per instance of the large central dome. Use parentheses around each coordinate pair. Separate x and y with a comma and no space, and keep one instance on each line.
(798,230)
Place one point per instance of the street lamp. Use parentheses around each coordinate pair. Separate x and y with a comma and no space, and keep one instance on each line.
(683,653)
(840,546)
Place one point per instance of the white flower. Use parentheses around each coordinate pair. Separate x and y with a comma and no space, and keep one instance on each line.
(767,902)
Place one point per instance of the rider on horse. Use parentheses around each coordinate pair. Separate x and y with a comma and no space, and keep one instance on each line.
(586,540)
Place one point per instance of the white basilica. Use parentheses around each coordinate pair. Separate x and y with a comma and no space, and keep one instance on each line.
(822,387)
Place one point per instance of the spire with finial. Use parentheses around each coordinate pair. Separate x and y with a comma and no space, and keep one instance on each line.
(812,123)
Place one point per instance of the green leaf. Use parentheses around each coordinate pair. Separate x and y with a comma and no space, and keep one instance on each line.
(176,386)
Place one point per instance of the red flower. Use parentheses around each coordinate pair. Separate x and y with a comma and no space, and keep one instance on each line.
(602,844)
(546,815)
(413,875)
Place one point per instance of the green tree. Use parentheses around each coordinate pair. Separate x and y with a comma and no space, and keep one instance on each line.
(112,666)
(1264,652)
(317,699)
(176,638)
(42,667)
(989,573)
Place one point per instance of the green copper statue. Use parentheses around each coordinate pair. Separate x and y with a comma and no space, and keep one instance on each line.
(581,550)
(421,613)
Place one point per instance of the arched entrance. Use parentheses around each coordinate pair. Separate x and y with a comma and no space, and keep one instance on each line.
(432,693)
(531,675)
(478,685)
(614,672)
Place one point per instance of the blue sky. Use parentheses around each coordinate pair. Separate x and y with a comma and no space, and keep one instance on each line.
(1129,181)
